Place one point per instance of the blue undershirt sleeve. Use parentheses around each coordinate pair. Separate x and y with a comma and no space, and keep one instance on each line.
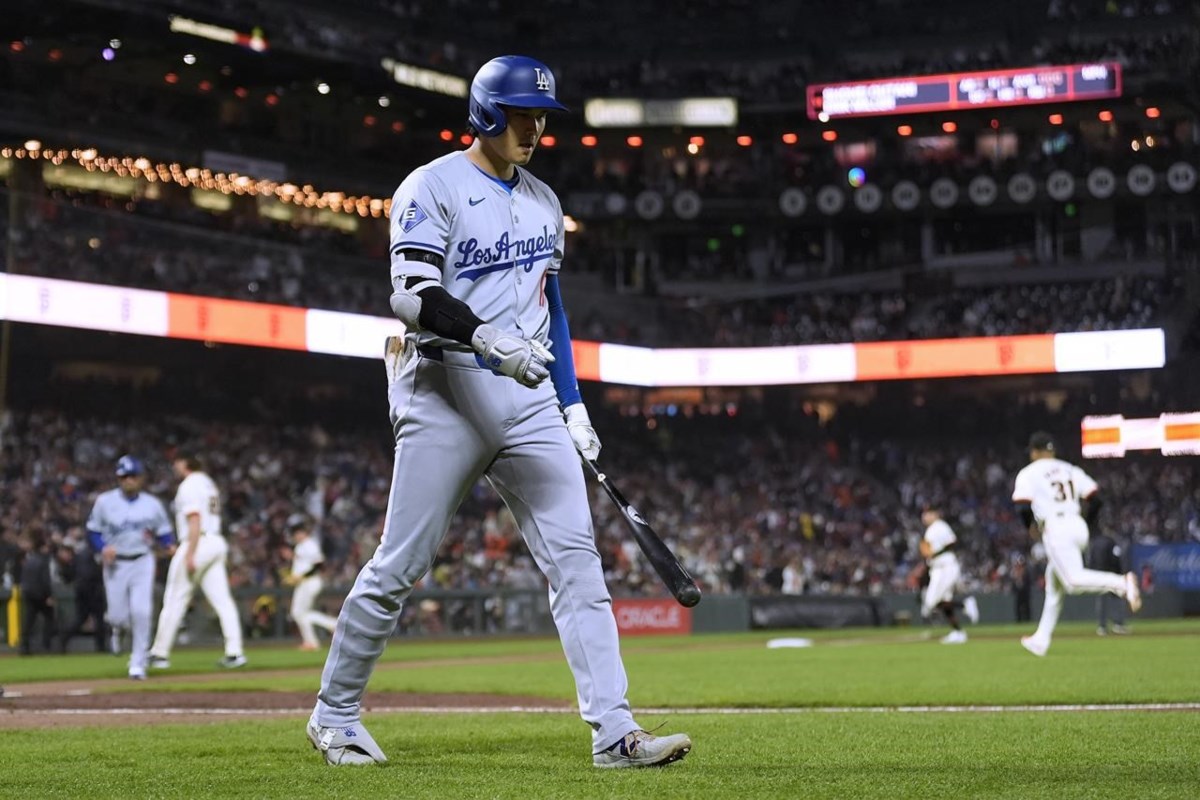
(562,369)
(97,540)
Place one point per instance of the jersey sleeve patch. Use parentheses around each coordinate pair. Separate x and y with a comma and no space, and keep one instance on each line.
(413,216)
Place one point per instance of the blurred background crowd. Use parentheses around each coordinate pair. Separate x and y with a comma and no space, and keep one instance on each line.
(753,233)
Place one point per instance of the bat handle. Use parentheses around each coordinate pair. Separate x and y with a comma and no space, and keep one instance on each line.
(594,469)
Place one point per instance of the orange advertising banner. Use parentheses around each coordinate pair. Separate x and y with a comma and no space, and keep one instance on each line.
(941,358)
(587,360)
(236,322)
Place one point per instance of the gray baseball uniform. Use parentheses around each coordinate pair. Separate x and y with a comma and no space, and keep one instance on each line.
(456,421)
(130,525)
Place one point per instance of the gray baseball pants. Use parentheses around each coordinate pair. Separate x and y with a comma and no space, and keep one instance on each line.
(454,423)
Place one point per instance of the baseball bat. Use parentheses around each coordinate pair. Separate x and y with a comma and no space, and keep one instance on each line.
(665,563)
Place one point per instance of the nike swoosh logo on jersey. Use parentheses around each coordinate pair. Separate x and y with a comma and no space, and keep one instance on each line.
(475,202)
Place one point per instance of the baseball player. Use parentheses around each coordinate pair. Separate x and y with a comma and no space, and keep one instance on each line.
(1057,501)
(937,548)
(476,247)
(198,561)
(305,576)
(123,528)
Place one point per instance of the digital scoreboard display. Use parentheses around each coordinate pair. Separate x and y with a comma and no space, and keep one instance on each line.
(961,91)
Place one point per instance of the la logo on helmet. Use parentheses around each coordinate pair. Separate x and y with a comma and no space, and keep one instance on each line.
(543,82)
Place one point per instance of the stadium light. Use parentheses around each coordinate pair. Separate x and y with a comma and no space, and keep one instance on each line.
(790,138)
(1056,119)
(744,141)
(904,130)
(697,140)
(588,141)
(1153,113)
(634,141)
(548,141)
(949,127)
(1106,116)
(829,136)
(446,135)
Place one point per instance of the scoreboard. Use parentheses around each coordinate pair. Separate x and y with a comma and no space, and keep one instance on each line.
(961,91)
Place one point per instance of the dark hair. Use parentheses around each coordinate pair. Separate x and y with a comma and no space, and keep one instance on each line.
(191,458)
(1041,441)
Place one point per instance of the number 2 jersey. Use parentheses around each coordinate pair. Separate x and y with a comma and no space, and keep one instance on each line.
(1053,488)
(198,494)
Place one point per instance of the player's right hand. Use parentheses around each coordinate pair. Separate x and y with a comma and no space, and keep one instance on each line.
(523,360)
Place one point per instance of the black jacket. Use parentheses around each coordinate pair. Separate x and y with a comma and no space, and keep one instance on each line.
(35,576)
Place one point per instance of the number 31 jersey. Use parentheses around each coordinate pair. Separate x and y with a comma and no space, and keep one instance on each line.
(1053,487)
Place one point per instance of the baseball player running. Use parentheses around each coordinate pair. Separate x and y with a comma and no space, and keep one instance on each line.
(198,561)
(476,247)
(937,547)
(1054,499)
(305,576)
(123,527)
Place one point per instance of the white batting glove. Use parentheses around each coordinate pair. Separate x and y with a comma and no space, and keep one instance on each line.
(579,425)
(523,360)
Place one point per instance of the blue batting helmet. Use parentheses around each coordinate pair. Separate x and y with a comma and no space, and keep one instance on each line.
(128,465)
(517,81)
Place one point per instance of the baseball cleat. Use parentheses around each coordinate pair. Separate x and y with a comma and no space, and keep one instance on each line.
(954,637)
(1034,646)
(1120,630)
(1101,631)
(232,662)
(158,662)
(345,747)
(640,749)
(137,675)
(1133,594)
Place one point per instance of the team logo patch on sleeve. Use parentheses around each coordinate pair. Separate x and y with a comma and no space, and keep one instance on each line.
(413,216)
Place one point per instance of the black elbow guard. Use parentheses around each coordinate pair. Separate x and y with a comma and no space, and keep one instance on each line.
(446,315)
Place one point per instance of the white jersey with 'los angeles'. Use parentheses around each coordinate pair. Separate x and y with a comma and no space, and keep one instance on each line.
(198,494)
(1053,488)
(498,245)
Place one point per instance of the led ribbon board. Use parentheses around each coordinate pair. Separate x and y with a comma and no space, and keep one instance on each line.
(963,91)
(49,301)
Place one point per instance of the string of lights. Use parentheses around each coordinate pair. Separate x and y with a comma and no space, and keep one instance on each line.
(230,183)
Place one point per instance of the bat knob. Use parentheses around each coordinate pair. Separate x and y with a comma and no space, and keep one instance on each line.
(688,596)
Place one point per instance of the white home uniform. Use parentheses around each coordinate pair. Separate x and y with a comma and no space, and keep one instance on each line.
(130,525)
(1053,488)
(306,563)
(198,494)
(944,569)
(455,421)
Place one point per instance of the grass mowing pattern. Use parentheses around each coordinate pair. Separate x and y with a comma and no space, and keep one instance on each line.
(1026,755)
(1011,754)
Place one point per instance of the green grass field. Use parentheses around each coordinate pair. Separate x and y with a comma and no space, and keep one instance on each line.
(692,683)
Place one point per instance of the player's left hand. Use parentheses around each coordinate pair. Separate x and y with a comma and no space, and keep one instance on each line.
(579,425)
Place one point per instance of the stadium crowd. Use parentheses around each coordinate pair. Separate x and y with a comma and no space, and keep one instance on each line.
(244,261)
(836,512)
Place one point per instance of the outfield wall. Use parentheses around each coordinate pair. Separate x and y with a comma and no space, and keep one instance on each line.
(510,612)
